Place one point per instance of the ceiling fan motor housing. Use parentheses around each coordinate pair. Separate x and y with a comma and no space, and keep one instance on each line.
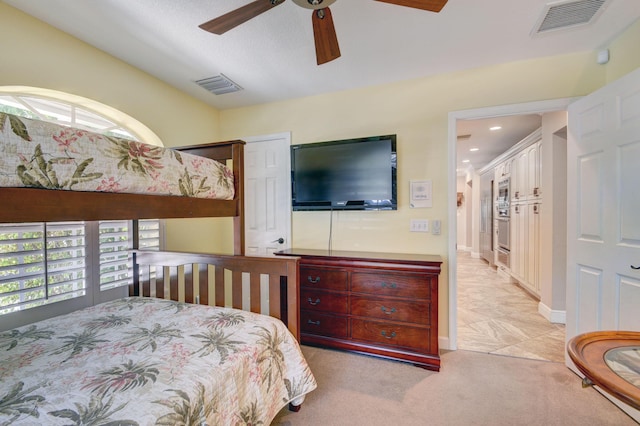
(314,4)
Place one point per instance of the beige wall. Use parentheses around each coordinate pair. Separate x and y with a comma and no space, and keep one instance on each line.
(417,111)
(35,54)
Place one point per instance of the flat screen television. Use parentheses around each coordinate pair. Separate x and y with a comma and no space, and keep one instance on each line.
(350,174)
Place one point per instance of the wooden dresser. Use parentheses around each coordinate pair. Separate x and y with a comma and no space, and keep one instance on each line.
(383,304)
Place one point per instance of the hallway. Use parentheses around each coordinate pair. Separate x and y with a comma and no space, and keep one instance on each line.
(498,317)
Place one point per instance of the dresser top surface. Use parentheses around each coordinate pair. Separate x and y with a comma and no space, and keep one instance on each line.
(362,255)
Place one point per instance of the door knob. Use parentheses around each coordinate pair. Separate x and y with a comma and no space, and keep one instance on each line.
(279,241)
(635,267)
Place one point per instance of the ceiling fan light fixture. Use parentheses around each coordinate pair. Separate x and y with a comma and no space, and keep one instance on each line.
(314,4)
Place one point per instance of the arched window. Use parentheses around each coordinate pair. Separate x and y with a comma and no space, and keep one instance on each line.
(75,111)
(42,263)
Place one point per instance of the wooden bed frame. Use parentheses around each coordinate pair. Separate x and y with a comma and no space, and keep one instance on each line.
(178,272)
(186,277)
(43,205)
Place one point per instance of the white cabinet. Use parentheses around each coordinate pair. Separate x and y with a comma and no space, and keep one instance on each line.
(522,166)
(525,174)
(518,243)
(532,276)
(533,172)
(526,202)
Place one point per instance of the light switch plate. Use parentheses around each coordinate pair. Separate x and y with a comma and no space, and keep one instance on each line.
(435,227)
(419,225)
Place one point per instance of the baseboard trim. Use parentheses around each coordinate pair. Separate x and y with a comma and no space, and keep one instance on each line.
(553,316)
(444,343)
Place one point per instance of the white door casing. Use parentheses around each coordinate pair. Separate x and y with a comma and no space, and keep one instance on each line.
(603,210)
(267,194)
(538,107)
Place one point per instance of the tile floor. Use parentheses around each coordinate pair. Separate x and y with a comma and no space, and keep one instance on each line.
(496,316)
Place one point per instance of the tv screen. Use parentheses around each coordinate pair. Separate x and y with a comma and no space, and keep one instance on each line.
(351,174)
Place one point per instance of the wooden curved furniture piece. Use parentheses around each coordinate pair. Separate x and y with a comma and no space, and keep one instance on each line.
(610,360)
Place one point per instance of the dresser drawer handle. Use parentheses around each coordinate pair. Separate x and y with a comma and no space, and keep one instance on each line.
(315,280)
(388,311)
(390,336)
(390,285)
(313,322)
(311,302)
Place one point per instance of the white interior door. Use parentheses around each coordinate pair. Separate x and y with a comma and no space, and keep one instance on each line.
(267,194)
(603,210)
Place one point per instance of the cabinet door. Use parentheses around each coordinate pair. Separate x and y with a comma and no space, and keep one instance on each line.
(533,248)
(521,176)
(533,171)
(519,231)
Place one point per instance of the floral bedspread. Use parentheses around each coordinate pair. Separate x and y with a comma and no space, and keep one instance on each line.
(44,155)
(144,361)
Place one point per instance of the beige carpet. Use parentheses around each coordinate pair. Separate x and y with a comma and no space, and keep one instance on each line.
(471,389)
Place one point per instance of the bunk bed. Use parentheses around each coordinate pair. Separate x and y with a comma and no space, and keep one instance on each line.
(152,355)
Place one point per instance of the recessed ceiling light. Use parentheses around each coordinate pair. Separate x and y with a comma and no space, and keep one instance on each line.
(494,128)
(474,149)
(465,161)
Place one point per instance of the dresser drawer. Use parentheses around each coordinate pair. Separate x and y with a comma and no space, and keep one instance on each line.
(328,279)
(319,300)
(390,334)
(391,309)
(414,286)
(323,324)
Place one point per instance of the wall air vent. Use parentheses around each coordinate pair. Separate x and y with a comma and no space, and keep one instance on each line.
(218,85)
(568,13)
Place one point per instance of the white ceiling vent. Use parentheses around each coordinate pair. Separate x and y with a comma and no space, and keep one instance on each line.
(568,13)
(219,85)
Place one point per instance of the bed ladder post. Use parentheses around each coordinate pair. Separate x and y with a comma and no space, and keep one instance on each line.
(238,176)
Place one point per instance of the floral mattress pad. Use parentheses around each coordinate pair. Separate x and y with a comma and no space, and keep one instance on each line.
(39,154)
(146,361)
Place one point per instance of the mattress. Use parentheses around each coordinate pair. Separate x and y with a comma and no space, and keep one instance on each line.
(44,155)
(146,361)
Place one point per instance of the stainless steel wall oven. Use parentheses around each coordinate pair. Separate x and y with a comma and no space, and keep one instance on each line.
(502,200)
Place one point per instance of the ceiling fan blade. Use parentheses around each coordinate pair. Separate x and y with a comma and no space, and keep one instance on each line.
(228,21)
(324,34)
(430,5)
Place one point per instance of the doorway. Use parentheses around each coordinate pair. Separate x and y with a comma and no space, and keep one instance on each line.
(455,258)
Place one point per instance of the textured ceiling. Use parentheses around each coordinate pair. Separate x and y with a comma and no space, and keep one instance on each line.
(272,56)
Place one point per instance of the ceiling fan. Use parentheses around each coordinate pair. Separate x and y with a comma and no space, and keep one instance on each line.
(324,32)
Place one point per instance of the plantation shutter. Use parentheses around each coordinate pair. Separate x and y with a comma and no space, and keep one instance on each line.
(41,263)
(116,268)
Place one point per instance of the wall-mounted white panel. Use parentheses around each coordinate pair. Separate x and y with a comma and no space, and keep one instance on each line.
(590,206)
(629,303)
(589,298)
(628,180)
